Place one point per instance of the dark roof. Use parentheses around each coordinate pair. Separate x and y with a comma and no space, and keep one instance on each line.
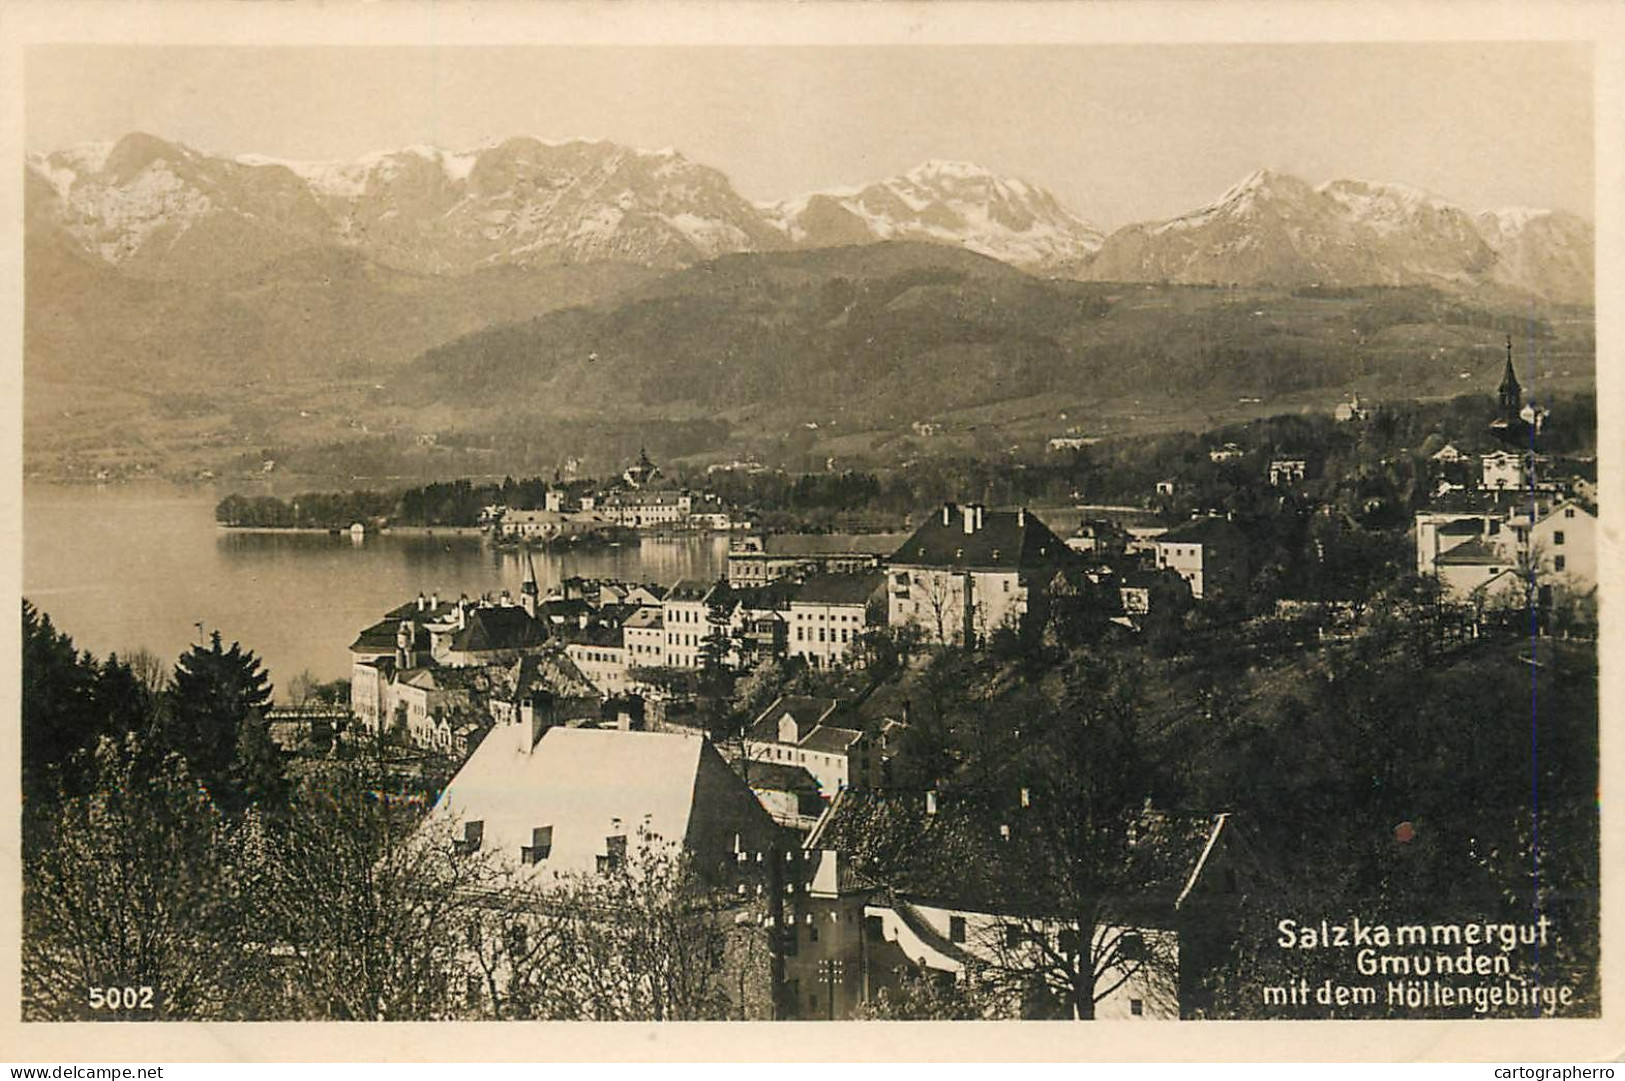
(830,738)
(1462,527)
(551,673)
(772,597)
(807,711)
(689,589)
(1479,552)
(957,858)
(775,776)
(493,629)
(382,636)
(826,544)
(839,588)
(1203,531)
(1005,540)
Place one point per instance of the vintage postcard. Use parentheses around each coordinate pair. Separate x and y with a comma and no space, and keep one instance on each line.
(736,519)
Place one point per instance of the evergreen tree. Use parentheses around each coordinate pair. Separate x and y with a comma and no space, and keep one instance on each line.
(214,694)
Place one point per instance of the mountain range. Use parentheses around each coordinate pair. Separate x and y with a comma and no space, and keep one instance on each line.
(156,209)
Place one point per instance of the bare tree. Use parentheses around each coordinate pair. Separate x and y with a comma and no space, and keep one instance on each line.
(137,887)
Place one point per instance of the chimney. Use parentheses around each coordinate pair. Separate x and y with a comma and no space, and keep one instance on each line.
(1021,517)
(979,509)
(421,601)
(434,599)
(462,613)
(531,725)
(970,519)
(947,513)
(931,802)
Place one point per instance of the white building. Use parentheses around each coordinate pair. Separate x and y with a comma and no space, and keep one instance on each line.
(967,571)
(800,731)
(828,613)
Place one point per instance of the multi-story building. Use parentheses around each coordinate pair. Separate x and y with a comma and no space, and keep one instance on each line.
(685,617)
(797,730)
(643,638)
(828,612)
(957,903)
(758,560)
(1210,553)
(967,571)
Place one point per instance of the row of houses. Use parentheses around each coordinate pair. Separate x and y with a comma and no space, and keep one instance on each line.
(888,884)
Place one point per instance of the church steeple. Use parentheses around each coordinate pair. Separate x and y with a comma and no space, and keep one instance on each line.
(1510,395)
(528,591)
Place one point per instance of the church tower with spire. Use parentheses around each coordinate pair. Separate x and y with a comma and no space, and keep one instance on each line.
(1510,394)
(1508,425)
(529,593)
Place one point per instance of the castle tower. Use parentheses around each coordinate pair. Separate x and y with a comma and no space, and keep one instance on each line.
(528,590)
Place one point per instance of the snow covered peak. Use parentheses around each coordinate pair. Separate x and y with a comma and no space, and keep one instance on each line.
(951,170)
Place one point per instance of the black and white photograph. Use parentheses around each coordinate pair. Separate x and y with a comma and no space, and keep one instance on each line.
(1101,531)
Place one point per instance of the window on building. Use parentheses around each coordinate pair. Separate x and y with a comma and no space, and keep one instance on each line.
(1559,562)
(1136,1006)
(812,932)
(614,857)
(1013,935)
(874,928)
(1568,512)
(1131,947)
(540,847)
(474,833)
(1557,538)
(956,928)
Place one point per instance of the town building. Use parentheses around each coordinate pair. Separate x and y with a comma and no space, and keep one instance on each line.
(828,612)
(643,638)
(1210,553)
(897,885)
(1287,469)
(641,473)
(1351,410)
(555,801)
(968,571)
(685,616)
(758,560)
(802,731)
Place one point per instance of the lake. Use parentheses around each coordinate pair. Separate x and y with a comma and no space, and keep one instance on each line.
(127,567)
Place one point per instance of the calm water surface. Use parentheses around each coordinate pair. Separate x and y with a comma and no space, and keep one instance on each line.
(121,568)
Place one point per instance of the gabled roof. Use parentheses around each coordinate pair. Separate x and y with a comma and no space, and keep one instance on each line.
(827,544)
(772,597)
(1005,540)
(848,589)
(689,589)
(1477,552)
(807,711)
(591,784)
(1208,530)
(645,619)
(957,857)
(498,629)
(777,776)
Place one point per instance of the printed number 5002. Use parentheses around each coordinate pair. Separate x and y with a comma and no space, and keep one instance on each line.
(121,998)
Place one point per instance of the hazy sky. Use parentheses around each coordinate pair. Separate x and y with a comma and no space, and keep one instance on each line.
(1119,132)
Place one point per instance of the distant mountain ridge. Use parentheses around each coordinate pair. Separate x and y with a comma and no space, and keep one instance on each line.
(1277,229)
(157,209)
